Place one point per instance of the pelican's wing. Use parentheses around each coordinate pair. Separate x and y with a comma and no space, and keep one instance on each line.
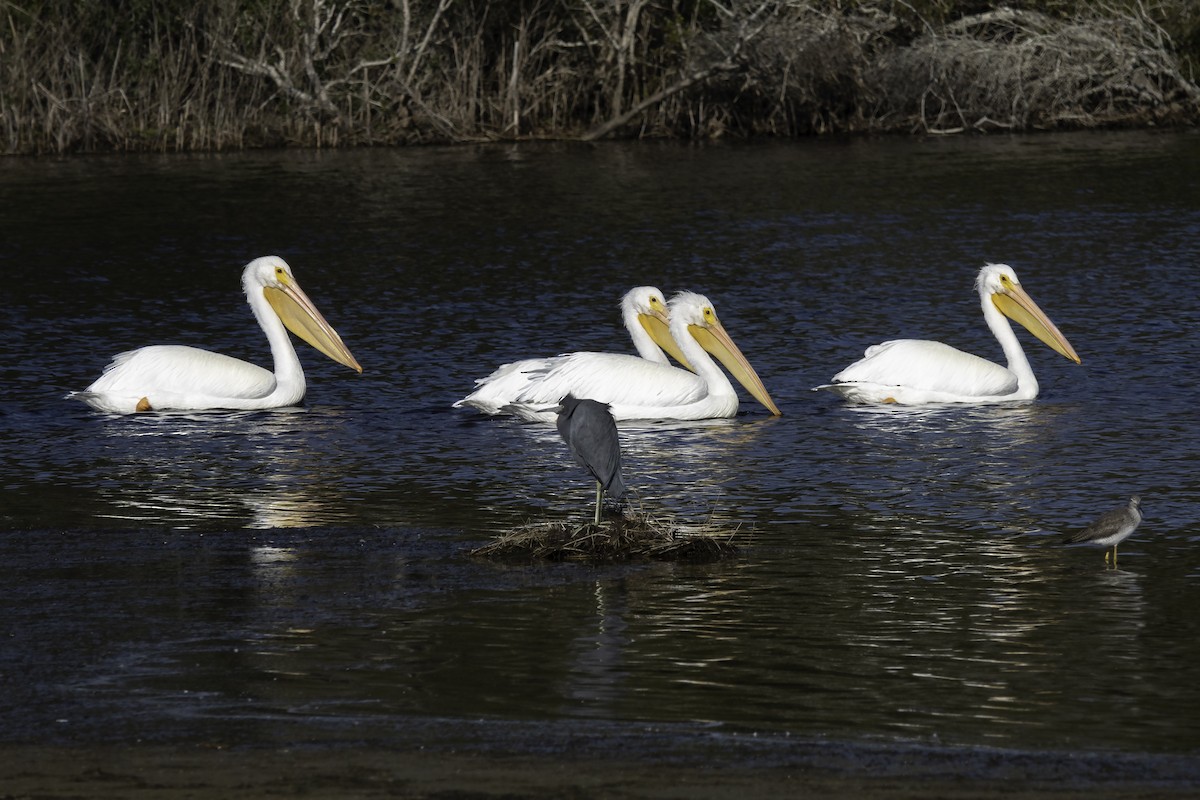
(926,366)
(611,378)
(174,377)
(506,382)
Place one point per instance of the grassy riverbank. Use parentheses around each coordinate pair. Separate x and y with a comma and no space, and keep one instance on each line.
(163,76)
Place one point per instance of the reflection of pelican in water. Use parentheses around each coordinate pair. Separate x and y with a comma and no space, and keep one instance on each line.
(181,378)
(1111,529)
(644,314)
(297,506)
(915,371)
(241,468)
(635,388)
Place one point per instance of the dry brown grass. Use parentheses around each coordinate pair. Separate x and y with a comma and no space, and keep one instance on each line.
(160,75)
(633,537)
(1021,70)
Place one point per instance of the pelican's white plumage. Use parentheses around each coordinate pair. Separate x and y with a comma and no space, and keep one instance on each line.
(645,315)
(181,378)
(914,371)
(635,388)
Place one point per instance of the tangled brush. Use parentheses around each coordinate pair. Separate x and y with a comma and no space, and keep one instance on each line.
(1018,69)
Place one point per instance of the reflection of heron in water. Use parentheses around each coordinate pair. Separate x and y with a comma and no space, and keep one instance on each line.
(1112,528)
(590,432)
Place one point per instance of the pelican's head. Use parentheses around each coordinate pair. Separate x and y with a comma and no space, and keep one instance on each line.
(693,315)
(998,284)
(647,306)
(272,276)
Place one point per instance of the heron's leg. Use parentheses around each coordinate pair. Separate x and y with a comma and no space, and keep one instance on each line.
(1114,556)
(599,499)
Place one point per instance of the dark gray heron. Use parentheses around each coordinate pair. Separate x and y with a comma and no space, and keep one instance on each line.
(1111,529)
(588,428)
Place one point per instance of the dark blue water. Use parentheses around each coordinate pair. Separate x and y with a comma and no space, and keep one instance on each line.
(304,575)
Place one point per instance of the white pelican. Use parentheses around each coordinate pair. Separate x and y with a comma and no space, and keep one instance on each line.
(645,316)
(1112,528)
(914,371)
(635,388)
(180,378)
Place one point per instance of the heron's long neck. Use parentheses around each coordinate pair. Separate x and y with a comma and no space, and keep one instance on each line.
(287,364)
(645,346)
(1018,364)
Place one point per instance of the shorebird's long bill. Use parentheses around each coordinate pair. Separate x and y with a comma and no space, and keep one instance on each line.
(1018,306)
(659,328)
(716,340)
(302,318)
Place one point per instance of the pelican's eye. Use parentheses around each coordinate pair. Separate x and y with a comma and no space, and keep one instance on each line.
(709,316)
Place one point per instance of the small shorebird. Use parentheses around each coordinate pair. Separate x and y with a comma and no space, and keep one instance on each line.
(1112,528)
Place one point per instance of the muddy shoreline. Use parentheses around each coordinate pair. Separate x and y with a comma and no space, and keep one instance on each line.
(479,759)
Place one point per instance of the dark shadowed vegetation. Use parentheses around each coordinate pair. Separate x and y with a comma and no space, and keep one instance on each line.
(89,75)
(635,535)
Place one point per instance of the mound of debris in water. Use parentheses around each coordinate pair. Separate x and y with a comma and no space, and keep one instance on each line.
(628,538)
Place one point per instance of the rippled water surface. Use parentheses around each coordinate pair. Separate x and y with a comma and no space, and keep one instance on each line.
(305,574)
